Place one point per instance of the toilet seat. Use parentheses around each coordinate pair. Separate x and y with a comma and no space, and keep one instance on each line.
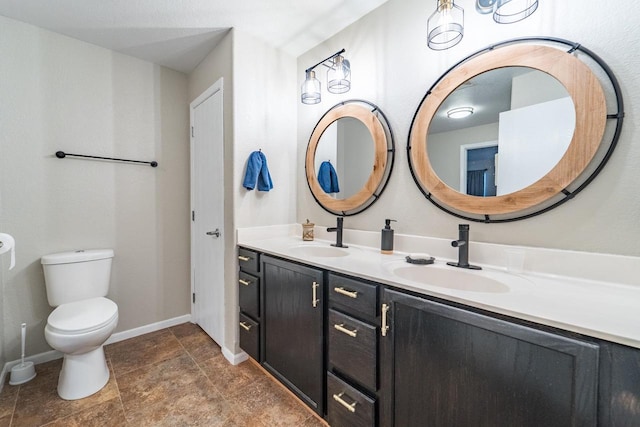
(83,316)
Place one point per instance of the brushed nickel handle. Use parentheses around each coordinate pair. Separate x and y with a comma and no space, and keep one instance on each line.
(244,282)
(243,258)
(341,328)
(385,327)
(215,232)
(351,407)
(343,291)
(245,326)
(314,291)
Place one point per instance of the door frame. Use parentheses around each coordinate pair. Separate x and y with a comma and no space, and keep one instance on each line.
(218,86)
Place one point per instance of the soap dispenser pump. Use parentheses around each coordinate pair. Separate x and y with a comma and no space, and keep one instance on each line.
(386,244)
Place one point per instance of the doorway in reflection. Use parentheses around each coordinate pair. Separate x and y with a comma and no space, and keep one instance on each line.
(481,171)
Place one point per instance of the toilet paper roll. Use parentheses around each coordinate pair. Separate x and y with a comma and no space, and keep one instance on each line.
(8,244)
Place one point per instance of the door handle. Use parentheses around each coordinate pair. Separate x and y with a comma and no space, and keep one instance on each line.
(385,326)
(215,232)
(314,296)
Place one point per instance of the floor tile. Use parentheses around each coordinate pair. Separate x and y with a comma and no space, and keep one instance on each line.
(148,349)
(228,379)
(8,400)
(109,414)
(198,344)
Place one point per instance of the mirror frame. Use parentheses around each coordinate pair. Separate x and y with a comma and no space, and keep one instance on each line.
(591,119)
(384,148)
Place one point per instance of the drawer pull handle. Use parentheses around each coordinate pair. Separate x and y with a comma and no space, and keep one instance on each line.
(351,407)
(245,326)
(385,327)
(244,258)
(244,282)
(341,328)
(343,291)
(314,296)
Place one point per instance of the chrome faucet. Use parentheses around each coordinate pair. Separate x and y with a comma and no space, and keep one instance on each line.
(463,248)
(338,230)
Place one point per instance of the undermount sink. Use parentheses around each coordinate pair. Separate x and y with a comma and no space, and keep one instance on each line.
(320,251)
(444,276)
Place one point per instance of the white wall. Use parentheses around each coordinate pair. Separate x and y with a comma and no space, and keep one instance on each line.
(62,94)
(260,113)
(393,68)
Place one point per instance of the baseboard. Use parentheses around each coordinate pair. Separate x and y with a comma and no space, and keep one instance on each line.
(234,358)
(48,356)
(136,332)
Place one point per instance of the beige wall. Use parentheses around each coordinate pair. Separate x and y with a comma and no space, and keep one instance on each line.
(61,94)
(393,68)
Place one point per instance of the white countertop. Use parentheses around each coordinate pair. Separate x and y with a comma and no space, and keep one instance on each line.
(597,308)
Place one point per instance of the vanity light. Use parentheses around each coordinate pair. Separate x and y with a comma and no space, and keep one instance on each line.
(460,112)
(507,11)
(445,27)
(311,89)
(338,78)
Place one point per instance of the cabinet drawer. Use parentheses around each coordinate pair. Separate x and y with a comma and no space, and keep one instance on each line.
(248,260)
(354,294)
(353,349)
(250,336)
(346,406)
(249,294)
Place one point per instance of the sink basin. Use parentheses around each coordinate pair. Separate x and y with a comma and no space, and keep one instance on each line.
(320,251)
(444,276)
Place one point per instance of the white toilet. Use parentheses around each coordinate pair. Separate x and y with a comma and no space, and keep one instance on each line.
(77,283)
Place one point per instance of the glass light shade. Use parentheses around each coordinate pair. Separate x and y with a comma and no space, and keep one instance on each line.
(510,11)
(485,6)
(460,112)
(311,89)
(445,27)
(339,76)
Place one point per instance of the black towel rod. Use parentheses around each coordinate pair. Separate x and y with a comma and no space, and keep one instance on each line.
(62,155)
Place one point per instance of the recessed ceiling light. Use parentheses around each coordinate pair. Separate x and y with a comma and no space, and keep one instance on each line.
(460,112)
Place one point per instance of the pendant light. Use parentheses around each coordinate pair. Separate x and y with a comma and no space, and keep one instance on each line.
(510,11)
(311,89)
(445,27)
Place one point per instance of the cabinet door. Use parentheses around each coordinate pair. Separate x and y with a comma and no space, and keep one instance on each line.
(293,328)
(445,366)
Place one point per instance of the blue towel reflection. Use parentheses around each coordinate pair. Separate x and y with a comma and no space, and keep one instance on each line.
(328,178)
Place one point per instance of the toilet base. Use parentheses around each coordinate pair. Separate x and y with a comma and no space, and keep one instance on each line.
(83,374)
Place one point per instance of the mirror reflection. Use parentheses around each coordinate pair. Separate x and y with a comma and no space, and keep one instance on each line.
(501,131)
(344,158)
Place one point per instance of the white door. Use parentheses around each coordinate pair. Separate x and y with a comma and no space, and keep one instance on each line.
(207,216)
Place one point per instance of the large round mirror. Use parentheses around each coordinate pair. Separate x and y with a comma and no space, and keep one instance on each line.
(349,157)
(514,130)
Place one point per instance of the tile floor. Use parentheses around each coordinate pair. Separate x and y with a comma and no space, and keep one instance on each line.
(172,377)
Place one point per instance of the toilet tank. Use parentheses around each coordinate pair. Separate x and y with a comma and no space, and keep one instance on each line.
(77,275)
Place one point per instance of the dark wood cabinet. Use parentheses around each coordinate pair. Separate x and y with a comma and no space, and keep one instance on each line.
(444,366)
(249,302)
(293,328)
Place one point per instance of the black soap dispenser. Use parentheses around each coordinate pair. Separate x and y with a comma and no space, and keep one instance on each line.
(386,244)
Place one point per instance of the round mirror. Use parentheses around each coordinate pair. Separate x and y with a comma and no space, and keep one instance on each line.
(349,157)
(514,130)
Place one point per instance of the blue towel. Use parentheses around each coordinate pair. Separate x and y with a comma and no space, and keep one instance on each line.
(257,170)
(328,178)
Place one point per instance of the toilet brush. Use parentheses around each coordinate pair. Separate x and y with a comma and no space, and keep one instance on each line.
(25,371)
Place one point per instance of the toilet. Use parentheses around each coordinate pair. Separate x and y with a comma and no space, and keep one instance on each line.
(77,283)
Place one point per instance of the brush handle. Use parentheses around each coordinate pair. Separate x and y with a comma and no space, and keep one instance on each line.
(24,337)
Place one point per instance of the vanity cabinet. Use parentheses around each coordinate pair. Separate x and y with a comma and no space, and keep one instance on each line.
(446,366)
(249,301)
(352,376)
(293,323)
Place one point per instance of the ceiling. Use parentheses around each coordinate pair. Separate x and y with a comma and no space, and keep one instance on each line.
(178,34)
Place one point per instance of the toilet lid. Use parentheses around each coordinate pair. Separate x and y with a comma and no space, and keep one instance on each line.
(83,316)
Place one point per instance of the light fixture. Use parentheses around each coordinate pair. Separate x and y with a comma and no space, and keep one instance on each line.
(339,75)
(338,78)
(507,11)
(460,112)
(445,27)
(311,89)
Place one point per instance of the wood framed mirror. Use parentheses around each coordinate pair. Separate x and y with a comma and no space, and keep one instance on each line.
(545,116)
(349,157)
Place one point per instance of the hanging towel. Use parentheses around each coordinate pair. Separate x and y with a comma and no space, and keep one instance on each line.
(257,170)
(328,178)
